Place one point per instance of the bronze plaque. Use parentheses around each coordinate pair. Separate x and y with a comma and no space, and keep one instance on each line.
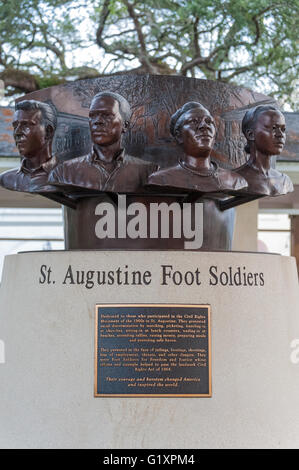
(152,350)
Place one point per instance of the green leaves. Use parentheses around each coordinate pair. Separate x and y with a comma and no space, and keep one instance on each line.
(238,40)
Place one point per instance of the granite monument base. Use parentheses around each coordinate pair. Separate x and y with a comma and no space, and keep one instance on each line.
(47,310)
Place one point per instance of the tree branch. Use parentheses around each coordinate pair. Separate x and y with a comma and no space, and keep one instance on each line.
(196,38)
(19,79)
(196,61)
(103,18)
(137,27)
(143,57)
(121,33)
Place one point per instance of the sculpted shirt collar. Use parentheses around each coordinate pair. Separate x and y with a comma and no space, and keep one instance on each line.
(46,167)
(212,172)
(94,158)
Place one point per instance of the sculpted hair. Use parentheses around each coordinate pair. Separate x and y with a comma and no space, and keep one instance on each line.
(124,107)
(250,118)
(176,122)
(49,114)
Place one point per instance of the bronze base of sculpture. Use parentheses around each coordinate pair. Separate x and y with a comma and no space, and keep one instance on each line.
(80,225)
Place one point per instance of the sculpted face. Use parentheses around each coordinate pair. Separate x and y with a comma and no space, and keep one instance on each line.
(270,133)
(197,131)
(105,121)
(29,132)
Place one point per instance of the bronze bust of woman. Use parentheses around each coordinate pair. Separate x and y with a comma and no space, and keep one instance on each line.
(265,132)
(194,129)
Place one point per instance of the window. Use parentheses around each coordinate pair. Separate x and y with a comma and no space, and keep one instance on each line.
(274,233)
(30,230)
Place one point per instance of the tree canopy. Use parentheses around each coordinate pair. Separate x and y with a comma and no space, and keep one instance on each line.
(248,42)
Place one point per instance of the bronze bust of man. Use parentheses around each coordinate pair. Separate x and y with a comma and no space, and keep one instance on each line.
(265,132)
(34,125)
(194,129)
(108,167)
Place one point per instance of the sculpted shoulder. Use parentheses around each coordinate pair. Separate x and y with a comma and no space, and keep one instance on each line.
(231,180)
(9,179)
(288,185)
(274,184)
(138,161)
(282,184)
(66,172)
(145,168)
(164,177)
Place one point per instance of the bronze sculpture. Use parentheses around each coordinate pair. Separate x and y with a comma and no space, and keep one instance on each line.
(83,182)
(34,125)
(194,129)
(108,168)
(265,131)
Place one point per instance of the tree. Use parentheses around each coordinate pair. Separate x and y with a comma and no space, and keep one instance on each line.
(248,42)
(35,37)
(245,41)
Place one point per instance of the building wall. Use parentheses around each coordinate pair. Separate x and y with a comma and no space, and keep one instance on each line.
(245,235)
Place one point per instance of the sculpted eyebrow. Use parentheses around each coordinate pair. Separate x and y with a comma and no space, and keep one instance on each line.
(104,113)
(24,121)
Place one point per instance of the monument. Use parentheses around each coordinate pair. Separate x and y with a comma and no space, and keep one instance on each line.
(107,341)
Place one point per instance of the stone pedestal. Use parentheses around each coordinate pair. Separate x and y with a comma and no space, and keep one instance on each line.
(47,326)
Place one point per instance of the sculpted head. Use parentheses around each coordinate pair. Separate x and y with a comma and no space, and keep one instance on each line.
(109,118)
(34,125)
(194,128)
(265,130)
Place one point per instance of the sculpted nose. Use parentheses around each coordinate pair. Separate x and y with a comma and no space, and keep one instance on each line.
(17,129)
(205,127)
(203,124)
(99,120)
(279,132)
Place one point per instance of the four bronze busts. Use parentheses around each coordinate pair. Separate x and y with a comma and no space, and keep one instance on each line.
(265,132)
(108,168)
(34,125)
(194,129)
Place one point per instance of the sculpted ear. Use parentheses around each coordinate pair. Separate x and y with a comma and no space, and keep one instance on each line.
(126,126)
(49,132)
(249,134)
(178,137)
